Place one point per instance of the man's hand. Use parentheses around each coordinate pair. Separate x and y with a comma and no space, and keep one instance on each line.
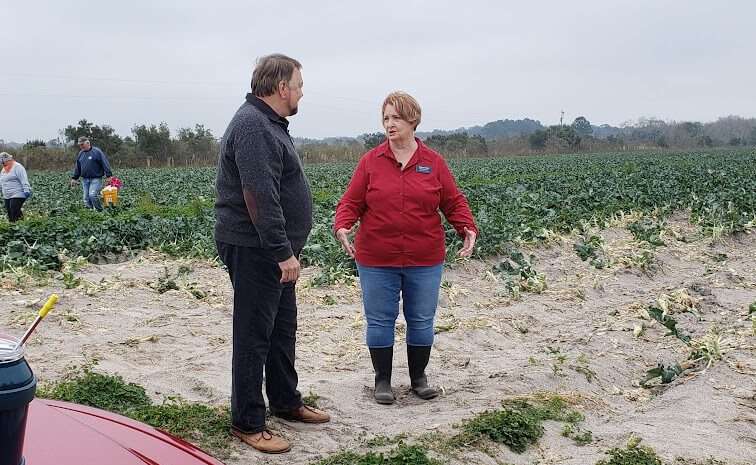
(73,182)
(289,269)
(469,244)
(343,236)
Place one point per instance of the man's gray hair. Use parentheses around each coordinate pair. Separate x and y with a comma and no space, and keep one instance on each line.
(269,71)
(5,156)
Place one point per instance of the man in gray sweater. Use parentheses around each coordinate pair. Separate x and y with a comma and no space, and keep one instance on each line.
(263,217)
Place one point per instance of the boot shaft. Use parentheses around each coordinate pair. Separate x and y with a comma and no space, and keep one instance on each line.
(383,360)
(417,361)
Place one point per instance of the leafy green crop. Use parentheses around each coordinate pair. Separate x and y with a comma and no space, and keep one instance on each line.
(669,323)
(590,248)
(513,200)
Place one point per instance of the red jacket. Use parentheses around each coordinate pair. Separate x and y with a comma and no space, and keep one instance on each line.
(398,209)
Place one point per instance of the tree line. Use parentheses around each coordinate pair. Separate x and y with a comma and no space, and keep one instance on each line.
(156,145)
(148,145)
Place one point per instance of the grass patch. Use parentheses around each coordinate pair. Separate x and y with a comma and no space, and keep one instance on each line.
(574,432)
(402,455)
(383,440)
(311,400)
(633,454)
(519,423)
(201,424)
(106,392)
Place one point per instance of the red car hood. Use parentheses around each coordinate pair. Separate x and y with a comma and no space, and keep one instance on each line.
(61,433)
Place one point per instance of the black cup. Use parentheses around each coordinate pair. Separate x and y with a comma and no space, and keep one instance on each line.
(17,388)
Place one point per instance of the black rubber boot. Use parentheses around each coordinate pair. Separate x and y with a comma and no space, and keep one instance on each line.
(417,359)
(383,359)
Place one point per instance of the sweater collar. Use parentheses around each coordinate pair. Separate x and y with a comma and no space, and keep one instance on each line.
(258,103)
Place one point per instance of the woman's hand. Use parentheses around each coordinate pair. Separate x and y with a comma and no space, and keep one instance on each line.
(469,244)
(343,236)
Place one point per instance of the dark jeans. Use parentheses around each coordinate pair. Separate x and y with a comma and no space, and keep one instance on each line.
(13,208)
(264,336)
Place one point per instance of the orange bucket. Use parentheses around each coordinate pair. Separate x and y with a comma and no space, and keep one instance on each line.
(110,196)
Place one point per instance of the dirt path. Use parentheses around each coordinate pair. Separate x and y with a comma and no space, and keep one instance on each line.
(575,338)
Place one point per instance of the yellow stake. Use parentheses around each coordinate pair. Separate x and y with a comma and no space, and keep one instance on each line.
(42,313)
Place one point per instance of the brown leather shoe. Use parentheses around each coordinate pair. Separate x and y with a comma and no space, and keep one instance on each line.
(264,441)
(305,414)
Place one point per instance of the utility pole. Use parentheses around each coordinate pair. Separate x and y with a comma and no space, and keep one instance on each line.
(561,119)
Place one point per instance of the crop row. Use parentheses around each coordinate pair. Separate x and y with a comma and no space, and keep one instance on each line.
(514,199)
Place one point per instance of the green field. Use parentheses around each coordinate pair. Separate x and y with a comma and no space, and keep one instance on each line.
(513,199)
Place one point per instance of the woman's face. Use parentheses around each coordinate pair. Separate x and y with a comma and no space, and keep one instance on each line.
(396,127)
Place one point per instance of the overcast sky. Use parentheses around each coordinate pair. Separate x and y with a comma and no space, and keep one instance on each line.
(467,62)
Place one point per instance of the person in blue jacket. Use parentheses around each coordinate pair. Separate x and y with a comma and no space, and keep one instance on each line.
(91,166)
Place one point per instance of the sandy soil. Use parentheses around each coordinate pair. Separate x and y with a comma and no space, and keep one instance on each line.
(576,338)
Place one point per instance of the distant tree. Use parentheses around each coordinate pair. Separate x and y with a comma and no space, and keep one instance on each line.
(555,138)
(459,143)
(537,140)
(735,141)
(372,140)
(34,143)
(705,141)
(72,133)
(693,128)
(153,141)
(582,126)
(752,138)
(198,141)
(567,135)
(615,140)
(103,136)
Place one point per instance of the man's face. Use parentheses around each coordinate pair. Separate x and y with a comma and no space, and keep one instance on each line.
(85,146)
(295,93)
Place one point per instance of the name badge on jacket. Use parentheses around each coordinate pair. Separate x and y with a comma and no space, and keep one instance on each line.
(423,169)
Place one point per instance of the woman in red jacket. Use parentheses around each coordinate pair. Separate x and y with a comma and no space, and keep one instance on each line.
(396,193)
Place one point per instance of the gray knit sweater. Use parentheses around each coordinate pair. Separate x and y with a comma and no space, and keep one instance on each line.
(15,183)
(257,157)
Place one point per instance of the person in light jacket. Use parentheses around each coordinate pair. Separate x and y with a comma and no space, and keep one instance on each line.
(15,186)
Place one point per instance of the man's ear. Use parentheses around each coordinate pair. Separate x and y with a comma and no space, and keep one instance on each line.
(282,86)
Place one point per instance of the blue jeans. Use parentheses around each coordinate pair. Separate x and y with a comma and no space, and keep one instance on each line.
(92,188)
(381,287)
